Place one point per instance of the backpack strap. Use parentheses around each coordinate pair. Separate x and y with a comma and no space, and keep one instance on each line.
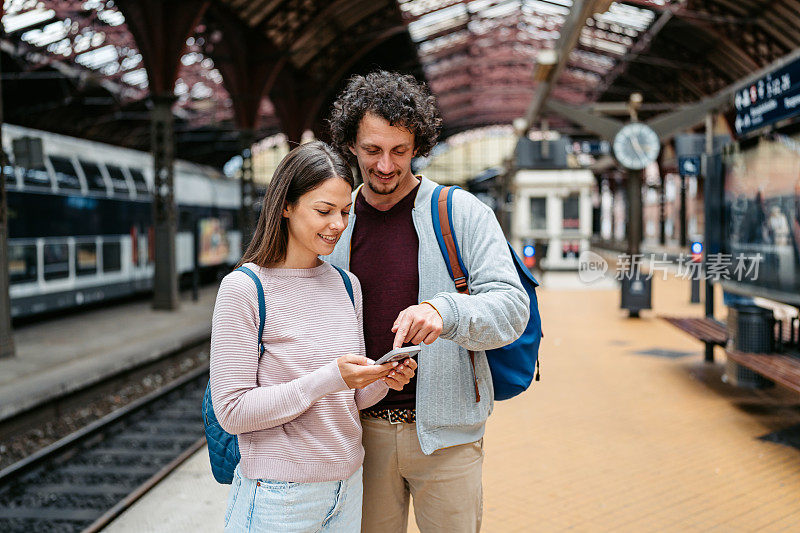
(347,284)
(262,308)
(442,213)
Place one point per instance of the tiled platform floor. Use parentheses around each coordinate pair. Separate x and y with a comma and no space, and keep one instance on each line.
(609,440)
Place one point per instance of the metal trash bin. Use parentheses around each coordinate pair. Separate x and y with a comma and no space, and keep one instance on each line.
(637,294)
(751,330)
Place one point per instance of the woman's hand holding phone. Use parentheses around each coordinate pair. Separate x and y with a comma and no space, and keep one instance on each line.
(401,374)
(359,372)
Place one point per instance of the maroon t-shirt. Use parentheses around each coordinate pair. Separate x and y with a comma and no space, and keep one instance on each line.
(383,255)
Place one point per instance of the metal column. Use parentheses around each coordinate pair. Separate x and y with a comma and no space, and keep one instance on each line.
(634,211)
(165,282)
(708,191)
(636,287)
(612,187)
(662,214)
(246,189)
(6,336)
(683,233)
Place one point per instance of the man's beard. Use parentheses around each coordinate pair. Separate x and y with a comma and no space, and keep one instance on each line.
(374,189)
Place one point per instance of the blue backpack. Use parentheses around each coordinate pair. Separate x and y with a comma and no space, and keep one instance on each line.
(223,448)
(512,366)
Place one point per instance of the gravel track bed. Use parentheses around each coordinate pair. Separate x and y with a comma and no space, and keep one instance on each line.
(27,442)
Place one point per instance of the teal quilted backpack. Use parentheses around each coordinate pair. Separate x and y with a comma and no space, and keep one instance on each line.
(223,448)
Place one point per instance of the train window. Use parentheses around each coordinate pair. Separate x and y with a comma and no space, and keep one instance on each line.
(35,177)
(85,259)
(571,219)
(56,261)
(66,177)
(112,257)
(118,180)
(139,181)
(10,176)
(94,178)
(539,213)
(22,263)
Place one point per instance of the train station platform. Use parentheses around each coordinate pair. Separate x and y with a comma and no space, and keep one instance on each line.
(628,430)
(62,355)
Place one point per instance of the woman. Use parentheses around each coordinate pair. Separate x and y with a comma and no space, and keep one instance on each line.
(294,410)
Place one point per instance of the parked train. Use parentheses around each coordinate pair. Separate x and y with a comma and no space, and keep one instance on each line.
(81,224)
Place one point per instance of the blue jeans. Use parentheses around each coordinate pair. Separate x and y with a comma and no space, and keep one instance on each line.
(284,506)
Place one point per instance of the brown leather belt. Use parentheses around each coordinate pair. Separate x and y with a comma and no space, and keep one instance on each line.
(393,416)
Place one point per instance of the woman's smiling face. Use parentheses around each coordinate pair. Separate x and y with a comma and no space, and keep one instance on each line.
(318,218)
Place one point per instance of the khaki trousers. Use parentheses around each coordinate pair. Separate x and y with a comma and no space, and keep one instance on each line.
(446,485)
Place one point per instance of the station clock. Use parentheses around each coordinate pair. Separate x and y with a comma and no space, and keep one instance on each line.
(636,145)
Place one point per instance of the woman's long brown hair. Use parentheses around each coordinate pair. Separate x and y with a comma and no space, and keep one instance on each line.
(303,169)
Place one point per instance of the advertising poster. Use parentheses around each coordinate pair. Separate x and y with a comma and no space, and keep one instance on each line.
(762,200)
(214,244)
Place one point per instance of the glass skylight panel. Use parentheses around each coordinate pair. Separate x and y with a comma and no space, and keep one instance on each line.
(132,61)
(477,5)
(627,16)
(541,7)
(109,69)
(200,91)
(111,17)
(87,40)
(215,76)
(609,36)
(584,75)
(587,57)
(590,40)
(437,22)
(191,58)
(51,33)
(137,78)
(416,8)
(62,47)
(12,7)
(543,35)
(441,43)
(13,23)
(501,10)
(181,89)
(98,57)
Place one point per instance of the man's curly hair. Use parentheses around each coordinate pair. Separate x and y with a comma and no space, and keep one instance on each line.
(398,98)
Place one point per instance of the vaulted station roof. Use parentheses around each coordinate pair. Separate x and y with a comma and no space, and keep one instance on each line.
(73,66)
(480,56)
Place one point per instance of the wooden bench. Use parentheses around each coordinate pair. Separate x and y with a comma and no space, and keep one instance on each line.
(705,329)
(781,368)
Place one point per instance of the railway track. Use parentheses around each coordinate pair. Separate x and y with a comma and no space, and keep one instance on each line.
(83,481)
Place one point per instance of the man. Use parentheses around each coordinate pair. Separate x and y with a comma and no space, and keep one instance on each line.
(427,440)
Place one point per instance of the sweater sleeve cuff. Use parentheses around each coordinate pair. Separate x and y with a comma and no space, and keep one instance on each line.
(322,381)
(370,395)
(444,306)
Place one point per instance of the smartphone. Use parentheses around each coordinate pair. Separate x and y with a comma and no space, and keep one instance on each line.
(399,354)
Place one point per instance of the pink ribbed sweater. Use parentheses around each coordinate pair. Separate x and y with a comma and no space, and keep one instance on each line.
(295,417)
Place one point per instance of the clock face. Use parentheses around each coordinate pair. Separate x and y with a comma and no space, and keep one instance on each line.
(636,146)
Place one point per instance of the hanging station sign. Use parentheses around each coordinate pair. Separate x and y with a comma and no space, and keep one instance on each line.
(774,97)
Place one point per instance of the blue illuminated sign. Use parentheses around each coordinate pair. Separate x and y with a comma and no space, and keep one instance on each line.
(697,248)
(689,166)
(769,99)
(81,202)
(529,251)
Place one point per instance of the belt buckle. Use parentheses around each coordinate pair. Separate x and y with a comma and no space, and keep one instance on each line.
(395,422)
